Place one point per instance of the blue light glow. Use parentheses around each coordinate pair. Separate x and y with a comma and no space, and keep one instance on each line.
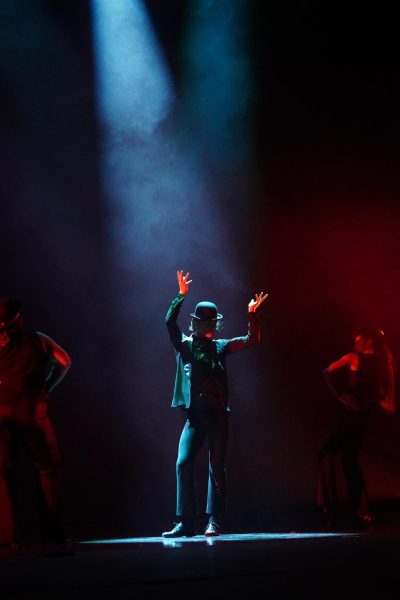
(243,537)
(218,80)
(134,92)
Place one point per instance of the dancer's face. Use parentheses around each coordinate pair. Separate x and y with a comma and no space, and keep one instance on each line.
(205,329)
(362,344)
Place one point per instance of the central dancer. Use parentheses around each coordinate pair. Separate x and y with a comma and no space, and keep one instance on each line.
(201,389)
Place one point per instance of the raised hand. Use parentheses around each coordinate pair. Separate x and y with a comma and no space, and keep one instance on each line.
(183,282)
(254,304)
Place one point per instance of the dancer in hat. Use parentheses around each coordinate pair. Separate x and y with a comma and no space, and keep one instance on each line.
(31,366)
(201,390)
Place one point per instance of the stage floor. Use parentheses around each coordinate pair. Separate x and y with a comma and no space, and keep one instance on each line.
(277,565)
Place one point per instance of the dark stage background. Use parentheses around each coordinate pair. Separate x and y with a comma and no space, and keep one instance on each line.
(311,216)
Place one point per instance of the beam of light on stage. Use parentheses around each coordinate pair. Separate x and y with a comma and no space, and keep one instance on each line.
(162,155)
(134,96)
(218,81)
(159,203)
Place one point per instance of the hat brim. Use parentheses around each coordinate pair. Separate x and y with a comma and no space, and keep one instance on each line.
(217,318)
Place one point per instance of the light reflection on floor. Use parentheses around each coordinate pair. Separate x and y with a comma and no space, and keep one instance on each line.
(242,537)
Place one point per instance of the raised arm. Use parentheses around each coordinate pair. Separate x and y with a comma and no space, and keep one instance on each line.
(174,331)
(59,362)
(348,360)
(253,328)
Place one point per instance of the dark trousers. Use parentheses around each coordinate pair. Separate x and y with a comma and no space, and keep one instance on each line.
(347,437)
(39,441)
(207,420)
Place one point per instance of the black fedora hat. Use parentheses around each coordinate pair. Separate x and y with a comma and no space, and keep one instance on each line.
(206,311)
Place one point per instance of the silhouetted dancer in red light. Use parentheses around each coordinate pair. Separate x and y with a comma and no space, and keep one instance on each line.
(31,366)
(363,382)
(201,389)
